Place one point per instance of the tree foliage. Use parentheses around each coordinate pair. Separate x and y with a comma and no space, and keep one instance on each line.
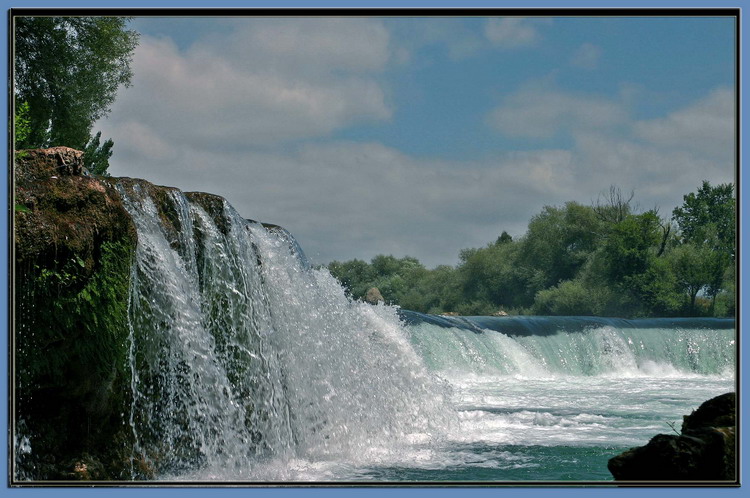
(605,259)
(22,124)
(68,70)
(97,155)
(706,241)
(707,217)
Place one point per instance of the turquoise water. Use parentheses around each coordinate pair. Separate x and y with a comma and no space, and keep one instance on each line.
(547,408)
(248,366)
(557,406)
(551,429)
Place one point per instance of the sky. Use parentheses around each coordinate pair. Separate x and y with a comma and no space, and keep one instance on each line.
(422,136)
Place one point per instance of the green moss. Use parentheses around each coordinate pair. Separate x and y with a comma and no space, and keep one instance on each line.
(72,355)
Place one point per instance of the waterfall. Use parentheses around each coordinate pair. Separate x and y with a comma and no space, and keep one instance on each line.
(241,354)
(581,346)
(248,364)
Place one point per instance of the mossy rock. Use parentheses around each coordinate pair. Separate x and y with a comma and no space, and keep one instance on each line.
(73,251)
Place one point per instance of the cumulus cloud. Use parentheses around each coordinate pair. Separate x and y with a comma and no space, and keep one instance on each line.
(311,45)
(419,37)
(347,199)
(251,113)
(542,112)
(659,176)
(661,159)
(707,126)
(587,56)
(295,80)
(511,32)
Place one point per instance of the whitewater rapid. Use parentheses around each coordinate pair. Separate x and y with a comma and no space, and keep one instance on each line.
(249,365)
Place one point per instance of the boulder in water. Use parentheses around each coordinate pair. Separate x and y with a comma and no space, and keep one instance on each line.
(373,296)
(704,451)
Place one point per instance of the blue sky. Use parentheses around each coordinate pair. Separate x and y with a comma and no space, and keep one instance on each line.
(422,136)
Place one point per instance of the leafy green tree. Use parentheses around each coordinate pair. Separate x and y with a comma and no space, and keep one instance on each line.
(22,125)
(560,240)
(494,276)
(724,302)
(436,291)
(633,267)
(631,246)
(68,69)
(504,238)
(602,259)
(356,276)
(707,232)
(570,297)
(396,276)
(708,217)
(692,271)
(97,155)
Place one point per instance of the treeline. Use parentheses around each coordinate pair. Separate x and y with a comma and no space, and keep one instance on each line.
(604,259)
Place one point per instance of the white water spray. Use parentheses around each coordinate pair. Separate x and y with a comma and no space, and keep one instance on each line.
(242,356)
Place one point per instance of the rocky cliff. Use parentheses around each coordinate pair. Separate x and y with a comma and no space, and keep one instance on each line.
(74,244)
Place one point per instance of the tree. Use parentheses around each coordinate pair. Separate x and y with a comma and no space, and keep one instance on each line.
(68,70)
(644,283)
(697,268)
(97,156)
(22,125)
(356,275)
(708,217)
(494,276)
(504,238)
(706,222)
(559,241)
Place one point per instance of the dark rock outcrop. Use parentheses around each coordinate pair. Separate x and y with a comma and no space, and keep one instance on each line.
(704,451)
(74,245)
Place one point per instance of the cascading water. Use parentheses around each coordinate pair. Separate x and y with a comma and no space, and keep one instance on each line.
(581,346)
(243,356)
(248,364)
(244,363)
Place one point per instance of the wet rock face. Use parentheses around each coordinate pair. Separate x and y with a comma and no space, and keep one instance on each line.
(705,451)
(74,244)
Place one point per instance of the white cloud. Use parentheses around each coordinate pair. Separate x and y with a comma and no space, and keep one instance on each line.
(451,35)
(542,112)
(661,159)
(587,56)
(705,127)
(263,84)
(313,45)
(231,114)
(511,32)
(346,199)
(659,176)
